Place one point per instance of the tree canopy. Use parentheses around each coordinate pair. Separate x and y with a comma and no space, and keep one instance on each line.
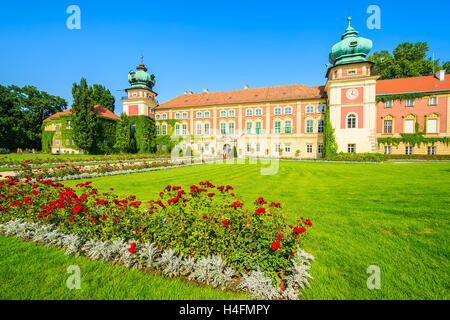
(22,112)
(84,120)
(102,96)
(407,60)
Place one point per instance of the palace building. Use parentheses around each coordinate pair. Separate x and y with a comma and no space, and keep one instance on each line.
(367,114)
(399,116)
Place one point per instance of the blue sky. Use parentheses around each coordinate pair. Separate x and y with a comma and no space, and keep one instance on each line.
(191,45)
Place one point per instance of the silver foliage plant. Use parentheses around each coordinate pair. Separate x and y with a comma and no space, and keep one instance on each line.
(211,270)
(259,286)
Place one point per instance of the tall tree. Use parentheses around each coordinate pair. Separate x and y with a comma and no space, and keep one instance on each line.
(123,135)
(408,60)
(330,146)
(22,111)
(84,121)
(102,96)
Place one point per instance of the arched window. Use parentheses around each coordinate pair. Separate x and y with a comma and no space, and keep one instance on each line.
(351,121)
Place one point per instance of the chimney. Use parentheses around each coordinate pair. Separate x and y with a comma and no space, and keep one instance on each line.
(440,75)
(245,86)
(205,90)
(185,91)
(190,92)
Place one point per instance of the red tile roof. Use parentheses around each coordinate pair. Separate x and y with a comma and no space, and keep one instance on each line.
(98,110)
(279,93)
(415,84)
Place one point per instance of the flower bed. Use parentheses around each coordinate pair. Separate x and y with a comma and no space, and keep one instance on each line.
(213,237)
(98,170)
(6,162)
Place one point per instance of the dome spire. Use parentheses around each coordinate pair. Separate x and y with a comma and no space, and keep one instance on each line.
(351,48)
(140,78)
(142,66)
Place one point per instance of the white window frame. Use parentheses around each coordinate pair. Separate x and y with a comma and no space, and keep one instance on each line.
(351,148)
(412,121)
(207,128)
(319,107)
(207,114)
(309,109)
(409,150)
(387,150)
(231,113)
(277,111)
(185,115)
(258,112)
(158,130)
(319,126)
(231,127)
(432,99)
(277,129)
(199,114)
(431,150)
(410,102)
(223,113)
(249,112)
(319,148)
(434,127)
(287,110)
(309,148)
(164,116)
(309,126)
(287,148)
(277,148)
(388,104)
(177,115)
(355,117)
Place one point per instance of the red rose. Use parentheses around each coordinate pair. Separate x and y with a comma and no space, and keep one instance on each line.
(225,223)
(71,219)
(275,245)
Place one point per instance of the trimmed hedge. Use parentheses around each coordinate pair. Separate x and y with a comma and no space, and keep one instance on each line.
(358,157)
(417,156)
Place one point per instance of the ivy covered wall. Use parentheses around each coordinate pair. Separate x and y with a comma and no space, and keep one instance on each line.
(168,139)
(143,132)
(105,133)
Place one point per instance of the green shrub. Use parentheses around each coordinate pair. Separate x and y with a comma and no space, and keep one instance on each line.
(418,156)
(359,157)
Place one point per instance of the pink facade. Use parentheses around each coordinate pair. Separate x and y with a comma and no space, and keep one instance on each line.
(420,110)
(345,111)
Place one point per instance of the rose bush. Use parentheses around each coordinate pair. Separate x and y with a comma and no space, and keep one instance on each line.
(203,220)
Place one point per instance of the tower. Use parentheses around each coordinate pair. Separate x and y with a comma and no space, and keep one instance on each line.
(351,90)
(140,99)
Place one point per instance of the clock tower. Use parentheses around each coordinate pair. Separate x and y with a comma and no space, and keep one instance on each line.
(140,99)
(351,90)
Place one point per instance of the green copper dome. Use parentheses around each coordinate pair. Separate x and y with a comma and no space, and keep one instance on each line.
(140,79)
(351,48)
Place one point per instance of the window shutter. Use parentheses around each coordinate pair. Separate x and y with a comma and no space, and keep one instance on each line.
(409,126)
(432,126)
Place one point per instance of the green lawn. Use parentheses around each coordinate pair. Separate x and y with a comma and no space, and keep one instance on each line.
(393,215)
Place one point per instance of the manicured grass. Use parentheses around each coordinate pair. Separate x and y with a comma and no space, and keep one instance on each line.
(393,215)
(32,271)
